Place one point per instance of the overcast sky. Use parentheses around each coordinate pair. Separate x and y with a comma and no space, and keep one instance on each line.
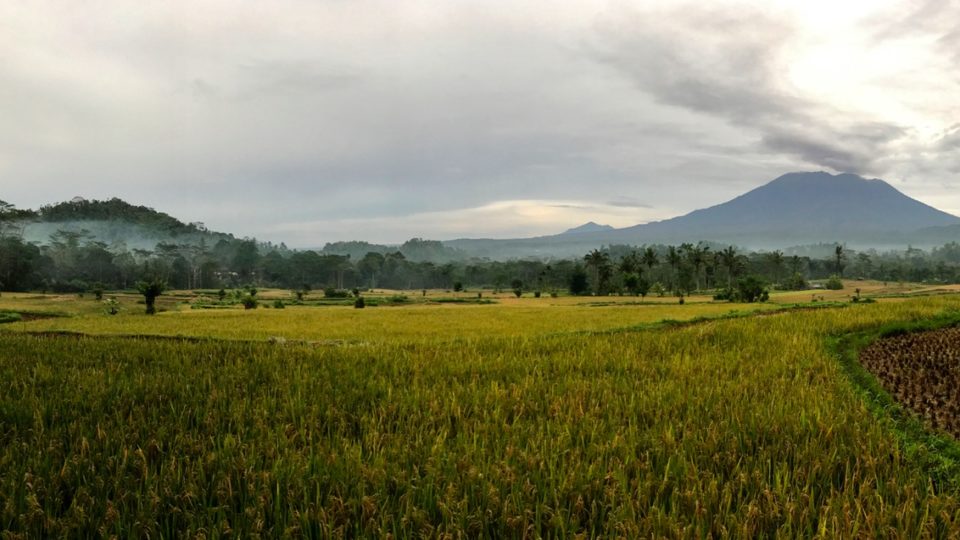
(314,121)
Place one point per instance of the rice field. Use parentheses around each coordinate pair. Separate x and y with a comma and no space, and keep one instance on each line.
(458,421)
(416,322)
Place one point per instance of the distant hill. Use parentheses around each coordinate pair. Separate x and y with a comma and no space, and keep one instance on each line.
(112,221)
(588,227)
(796,208)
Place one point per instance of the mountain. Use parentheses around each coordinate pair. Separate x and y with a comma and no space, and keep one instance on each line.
(805,207)
(796,208)
(588,227)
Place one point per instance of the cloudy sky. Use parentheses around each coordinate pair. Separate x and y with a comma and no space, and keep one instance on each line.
(314,121)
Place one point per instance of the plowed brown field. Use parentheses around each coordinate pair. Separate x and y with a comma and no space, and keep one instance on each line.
(922,372)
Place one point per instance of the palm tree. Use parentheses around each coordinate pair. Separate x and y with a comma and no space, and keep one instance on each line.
(795,264)
(674,259)
(630,263)
(776,262)
(728,258)
(650,258)
(838,253)
(698,257)
(597,259)
(865,264)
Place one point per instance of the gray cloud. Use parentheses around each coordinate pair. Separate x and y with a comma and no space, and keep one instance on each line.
(306,118)
(729,65)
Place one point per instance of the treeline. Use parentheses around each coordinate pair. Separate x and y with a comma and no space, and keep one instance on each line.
(73,261)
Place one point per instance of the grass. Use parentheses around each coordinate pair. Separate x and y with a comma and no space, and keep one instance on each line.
(414,322)
(555,421)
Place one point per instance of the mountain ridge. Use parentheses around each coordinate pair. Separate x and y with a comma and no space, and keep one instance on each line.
(792,209)
(588,227)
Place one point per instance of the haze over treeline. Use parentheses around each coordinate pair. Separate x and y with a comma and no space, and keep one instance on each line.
(189,256)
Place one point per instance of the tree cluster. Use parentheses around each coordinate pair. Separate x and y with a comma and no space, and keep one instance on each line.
(75,261)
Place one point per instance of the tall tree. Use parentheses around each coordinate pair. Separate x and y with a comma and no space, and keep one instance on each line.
(597,259)
(730,261)
(697,255)
(246,259)
(650,258)
(775,260)
(839,257)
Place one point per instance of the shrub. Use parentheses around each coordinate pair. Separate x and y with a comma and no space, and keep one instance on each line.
(796,283)
(331,292)
(279,304)
(97,290)
(359,303)
(725,294)
(834,283)
(150,291)
(250,302)
(751,289)
(113,307)
(658,289)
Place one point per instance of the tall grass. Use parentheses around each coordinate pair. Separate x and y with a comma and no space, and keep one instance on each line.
(740,427)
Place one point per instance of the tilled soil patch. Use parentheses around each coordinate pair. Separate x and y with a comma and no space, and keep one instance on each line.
(922,372)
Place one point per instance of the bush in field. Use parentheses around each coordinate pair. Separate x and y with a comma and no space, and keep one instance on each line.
(834,283)
(279,304)
(250,302)
(658,289)
(97,290)
(751,289)
(151,290)
(331,292)
(748,290)
(113,307)
(359,303)
(221,294)
(796,282)
(724,294)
